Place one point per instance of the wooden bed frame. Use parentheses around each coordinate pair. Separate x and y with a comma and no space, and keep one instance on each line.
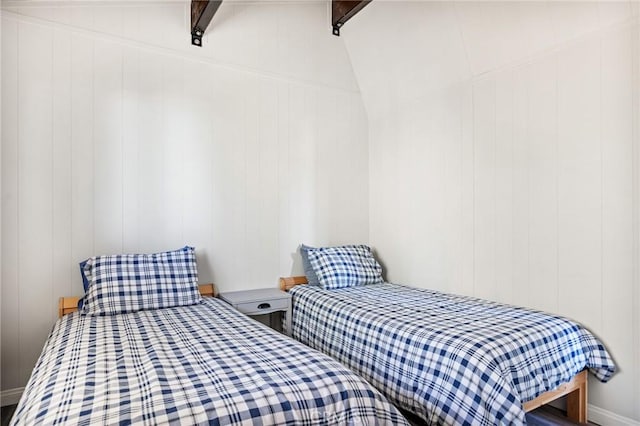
(67,305)
(575,389)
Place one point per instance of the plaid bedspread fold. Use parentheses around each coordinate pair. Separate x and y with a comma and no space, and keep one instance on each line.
(200,364)
(450,359)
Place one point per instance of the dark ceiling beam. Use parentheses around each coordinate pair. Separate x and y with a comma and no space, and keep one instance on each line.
(202,12)
(343,10)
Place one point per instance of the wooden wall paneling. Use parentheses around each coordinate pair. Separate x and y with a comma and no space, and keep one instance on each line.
(467,222)
(358,149)
(266,239)
(406,150)
(425,137)
(196,144)
(107,139)
(636,199)
(82,154)
(173,149)
(521,189)
(391,243)
(63,268)
(580,184)
(392,240)
(10,307)
(449,168)
(617,205)
(239,178)
(452,186)
(302,150)
(151,175)
(484,189)
(225,228)
(409,144)
(504,185)
(350,158)
(131,153)
(252,182)
(542,145)
(328,152)
(35,196)
(376,199)
(286,241)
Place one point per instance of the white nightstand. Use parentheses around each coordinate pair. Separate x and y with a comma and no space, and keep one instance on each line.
(261,302)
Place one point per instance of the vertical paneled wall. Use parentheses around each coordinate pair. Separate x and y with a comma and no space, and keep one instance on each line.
(112,143)
(559,198)
(515,183)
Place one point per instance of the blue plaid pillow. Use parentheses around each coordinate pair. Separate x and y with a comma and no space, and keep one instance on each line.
(134,282)
(312,278)
(344,266)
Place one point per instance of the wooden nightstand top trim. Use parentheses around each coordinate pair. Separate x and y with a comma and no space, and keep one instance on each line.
(257,295)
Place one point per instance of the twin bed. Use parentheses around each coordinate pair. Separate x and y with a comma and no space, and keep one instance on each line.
(197,364)
(147,345)
(447,359)
(146,348)
(450,359)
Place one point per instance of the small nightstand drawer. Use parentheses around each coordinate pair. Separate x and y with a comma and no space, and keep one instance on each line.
(263,306)
(261,303)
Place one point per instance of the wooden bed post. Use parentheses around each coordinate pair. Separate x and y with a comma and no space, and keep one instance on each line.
(287,283)
(576,393)
(577,403)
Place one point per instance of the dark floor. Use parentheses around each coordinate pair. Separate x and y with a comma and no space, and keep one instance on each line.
(545,416)
(549,416)
(7,412)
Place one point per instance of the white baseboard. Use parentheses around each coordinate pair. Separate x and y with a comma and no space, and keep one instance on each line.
(10,396)
(607,418)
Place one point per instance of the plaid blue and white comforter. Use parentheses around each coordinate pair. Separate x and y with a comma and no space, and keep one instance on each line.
(449,359)
(200,364)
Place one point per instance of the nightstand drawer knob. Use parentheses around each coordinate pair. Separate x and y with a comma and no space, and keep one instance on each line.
(264,306)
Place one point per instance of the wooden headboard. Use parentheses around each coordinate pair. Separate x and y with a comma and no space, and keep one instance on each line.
(287,283)
(67,305)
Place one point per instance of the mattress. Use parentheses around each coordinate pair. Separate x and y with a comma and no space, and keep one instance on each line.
(199,364)
(449,359)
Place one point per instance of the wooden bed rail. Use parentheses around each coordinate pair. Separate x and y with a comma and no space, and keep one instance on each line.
(67,305)
(576,392)
(287,283)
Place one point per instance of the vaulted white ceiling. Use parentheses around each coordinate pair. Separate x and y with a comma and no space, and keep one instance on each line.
(402,50)
(393,50)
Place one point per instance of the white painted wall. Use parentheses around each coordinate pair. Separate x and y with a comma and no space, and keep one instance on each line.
(119,136)
(502,140)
